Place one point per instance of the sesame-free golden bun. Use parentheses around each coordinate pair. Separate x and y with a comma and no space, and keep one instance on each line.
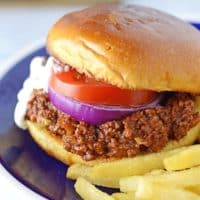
(129,46)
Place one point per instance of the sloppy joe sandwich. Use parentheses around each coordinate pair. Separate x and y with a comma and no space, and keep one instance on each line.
(121,81)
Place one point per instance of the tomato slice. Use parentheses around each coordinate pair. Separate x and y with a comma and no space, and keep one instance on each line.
(80,87)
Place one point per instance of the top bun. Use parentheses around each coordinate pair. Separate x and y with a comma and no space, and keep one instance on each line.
(129,46)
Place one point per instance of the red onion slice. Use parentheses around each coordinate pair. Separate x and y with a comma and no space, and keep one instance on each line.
(93,114)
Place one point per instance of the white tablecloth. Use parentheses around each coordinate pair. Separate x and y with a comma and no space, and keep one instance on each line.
(23,26)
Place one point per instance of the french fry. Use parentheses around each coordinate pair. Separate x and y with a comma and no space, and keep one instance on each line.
(182,179)
(187,158)
(79,170)
(87,191)
(124,196)
(151,191)
(156,172)
(132,166)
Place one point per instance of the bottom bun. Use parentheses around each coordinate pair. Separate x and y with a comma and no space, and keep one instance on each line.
(53,145)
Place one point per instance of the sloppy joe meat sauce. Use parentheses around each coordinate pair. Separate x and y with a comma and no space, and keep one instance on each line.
(148,130)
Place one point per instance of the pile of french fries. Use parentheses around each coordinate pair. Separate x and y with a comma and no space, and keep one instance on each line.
(169,174)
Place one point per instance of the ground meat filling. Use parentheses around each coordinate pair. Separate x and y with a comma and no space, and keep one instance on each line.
(144,131)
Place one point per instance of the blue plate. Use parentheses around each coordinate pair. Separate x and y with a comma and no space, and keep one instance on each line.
(41,173)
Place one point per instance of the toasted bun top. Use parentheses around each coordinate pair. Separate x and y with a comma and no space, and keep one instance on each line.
(129,46)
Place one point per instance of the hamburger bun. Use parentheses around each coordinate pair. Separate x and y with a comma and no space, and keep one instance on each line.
(132,47)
